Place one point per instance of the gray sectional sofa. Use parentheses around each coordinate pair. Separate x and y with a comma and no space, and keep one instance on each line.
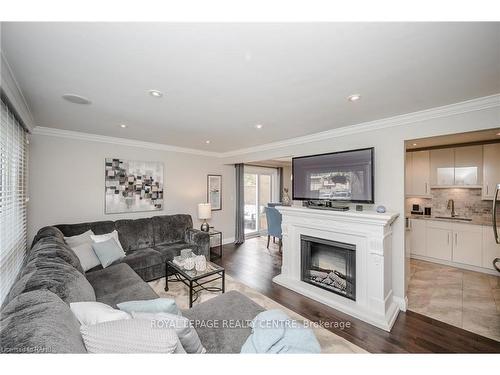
(36,317)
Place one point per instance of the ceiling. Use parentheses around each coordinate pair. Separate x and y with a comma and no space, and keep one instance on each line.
(455,139)
(220,80)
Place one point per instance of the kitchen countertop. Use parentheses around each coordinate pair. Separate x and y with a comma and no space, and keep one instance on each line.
(475,220)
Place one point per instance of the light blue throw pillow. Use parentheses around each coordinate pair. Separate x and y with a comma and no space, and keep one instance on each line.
(158,305)
(108,251)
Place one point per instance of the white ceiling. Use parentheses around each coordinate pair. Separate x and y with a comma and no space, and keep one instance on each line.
(219,80)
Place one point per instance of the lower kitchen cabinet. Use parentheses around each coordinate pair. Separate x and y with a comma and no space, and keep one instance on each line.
(439,240)
(462,245)
(468,244)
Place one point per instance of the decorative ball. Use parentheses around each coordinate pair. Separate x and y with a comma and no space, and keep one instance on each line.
(200,263)
(189,264)
(380,209)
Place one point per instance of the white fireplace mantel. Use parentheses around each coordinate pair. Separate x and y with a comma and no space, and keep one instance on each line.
(371,232)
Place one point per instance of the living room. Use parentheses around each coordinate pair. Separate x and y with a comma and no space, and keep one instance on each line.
(221,177)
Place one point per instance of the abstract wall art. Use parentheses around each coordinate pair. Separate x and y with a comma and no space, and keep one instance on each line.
(133,186)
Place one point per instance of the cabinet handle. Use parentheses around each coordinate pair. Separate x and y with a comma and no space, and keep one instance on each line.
(426,191)
(486,189)
(448,238)
(456,239)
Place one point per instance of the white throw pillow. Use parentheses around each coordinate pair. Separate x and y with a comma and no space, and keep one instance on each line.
(89,313)
(80,239)
(87,256)
(107,236)
(129,336)
(188,336)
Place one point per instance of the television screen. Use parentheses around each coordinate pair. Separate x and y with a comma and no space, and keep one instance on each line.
(342,176)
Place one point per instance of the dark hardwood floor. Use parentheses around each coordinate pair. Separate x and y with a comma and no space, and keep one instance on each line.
(254,265)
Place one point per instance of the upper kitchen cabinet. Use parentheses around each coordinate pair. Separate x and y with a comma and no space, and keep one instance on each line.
(491,169)
(417,174)
(442,167)
(457,167)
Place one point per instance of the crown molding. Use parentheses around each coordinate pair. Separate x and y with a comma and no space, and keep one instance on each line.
(41,130)
(477,104)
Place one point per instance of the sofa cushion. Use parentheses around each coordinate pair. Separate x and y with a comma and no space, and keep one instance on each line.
(40,322)
(211,315)
(54,247)
(119,283)
(98,227)
(140,259)
(55,275)
(170,228)
(135,234)
(168,252)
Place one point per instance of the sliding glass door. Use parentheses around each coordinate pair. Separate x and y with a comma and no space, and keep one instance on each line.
(260,188)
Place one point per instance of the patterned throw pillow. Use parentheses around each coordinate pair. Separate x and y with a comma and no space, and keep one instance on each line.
(129,336)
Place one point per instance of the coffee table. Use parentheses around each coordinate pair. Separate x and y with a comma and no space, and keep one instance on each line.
(195,280)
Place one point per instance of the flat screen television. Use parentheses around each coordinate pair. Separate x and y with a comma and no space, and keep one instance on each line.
(346,176)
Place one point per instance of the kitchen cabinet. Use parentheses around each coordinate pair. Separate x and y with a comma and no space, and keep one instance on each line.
(491,249)
(491,169)
(467,244)
(461,245)
(417,176)
(418,234)
(456,167)
(439,240)
(442,163)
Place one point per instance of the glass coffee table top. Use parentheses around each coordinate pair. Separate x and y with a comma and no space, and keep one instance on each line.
(211,269)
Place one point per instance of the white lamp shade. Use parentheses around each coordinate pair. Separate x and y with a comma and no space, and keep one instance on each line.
(204,211)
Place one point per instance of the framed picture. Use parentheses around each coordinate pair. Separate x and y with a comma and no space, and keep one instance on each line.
(132,186)
(214,191)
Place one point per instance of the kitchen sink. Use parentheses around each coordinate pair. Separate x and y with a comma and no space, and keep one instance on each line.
(453,218)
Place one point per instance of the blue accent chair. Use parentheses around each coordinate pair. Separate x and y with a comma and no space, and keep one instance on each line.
(273,217)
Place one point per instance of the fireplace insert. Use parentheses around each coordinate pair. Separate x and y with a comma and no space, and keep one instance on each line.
(329,265)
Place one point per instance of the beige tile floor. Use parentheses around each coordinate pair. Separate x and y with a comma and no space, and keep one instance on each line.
(466,299)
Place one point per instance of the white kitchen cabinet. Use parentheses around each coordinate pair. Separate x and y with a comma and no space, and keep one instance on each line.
(442,162)
(491,169)
(417,174)
(491,249)
(439,240)
(467,244)
(417,237)
(468,166)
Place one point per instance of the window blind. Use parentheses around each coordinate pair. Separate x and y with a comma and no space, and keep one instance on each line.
(13,194)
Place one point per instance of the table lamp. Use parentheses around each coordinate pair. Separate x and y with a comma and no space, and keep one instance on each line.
(204,213)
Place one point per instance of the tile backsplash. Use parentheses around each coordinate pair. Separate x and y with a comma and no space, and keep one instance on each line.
(468,203)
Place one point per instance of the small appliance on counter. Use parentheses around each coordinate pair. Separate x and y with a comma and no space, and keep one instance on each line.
(416,210)
(427,211)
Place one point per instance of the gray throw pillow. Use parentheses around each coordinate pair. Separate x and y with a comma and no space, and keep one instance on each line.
(87,256)
(39,322)
(157,305)
(129,336)
(185,331)
(108,251)
(78,240)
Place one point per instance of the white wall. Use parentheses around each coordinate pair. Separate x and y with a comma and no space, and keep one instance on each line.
(67,182)
(287,181)
(389,163)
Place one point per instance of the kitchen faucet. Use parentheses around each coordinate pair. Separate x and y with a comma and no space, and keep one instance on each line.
(451,206)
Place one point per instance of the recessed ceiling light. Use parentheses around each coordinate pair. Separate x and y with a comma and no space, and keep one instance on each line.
(155,93)
(207,141)
(259,126)
(498,133)
(123,126)
(77,99)
(414,144)
(354,97)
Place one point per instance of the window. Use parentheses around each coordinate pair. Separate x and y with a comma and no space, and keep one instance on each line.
(13,194)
